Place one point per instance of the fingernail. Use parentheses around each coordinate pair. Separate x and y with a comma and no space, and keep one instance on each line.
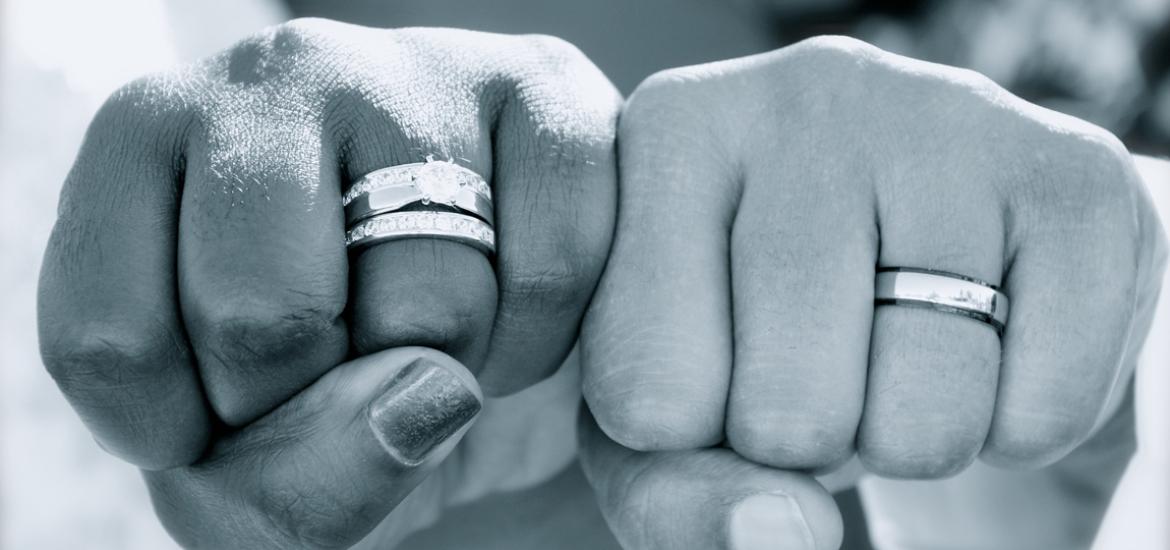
(770,521)
(422,406)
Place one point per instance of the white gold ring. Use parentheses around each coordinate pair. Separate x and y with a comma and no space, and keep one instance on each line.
(436,198)
(438,225)
(943,291)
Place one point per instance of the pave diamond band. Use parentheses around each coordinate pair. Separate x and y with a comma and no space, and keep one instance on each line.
(942,291)
(436,198)
(439,225)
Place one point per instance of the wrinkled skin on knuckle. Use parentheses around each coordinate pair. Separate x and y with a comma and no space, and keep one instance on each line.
(447,325)
(245,332)
(108,356)
(560,279)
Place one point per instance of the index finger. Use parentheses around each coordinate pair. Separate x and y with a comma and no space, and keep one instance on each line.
(108,313)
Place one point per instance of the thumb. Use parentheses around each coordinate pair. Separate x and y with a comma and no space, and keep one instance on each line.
(702,499)
(328,465)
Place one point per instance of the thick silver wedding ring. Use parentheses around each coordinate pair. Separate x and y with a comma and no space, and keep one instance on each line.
(942,291)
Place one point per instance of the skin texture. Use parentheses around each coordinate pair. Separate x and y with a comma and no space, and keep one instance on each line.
(737,302)
(196,296)
(199,244)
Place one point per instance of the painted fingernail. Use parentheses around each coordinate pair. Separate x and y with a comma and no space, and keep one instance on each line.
(770,522)
(422,406)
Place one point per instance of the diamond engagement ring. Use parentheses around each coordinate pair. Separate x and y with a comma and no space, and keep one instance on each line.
(943,291)
(436,198)
(426,185)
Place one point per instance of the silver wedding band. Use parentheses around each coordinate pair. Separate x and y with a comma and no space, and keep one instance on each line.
(436,199)
(942,291)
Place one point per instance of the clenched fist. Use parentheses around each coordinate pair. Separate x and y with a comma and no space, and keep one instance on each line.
(197,297)
(758,198)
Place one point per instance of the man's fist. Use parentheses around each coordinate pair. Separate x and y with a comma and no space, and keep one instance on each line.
(759,195)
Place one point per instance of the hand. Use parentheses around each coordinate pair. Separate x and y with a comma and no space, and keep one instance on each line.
(757,197)
(196,295)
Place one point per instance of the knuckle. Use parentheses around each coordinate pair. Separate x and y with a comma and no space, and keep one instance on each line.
(443,294)
(555,51)
(307,31)
(834,48)
(448,322)
(828,66)
(789,441)
(1034,441)
(139,95)
(543,66)
(1092,182)
(443,326)
(555,281)
(559,103)
(245,331)
(1104,165)
(295,54)
(144,114)
(672,108)
(668,418)
(93,358)
(297,41)
(664,90)
(919,458)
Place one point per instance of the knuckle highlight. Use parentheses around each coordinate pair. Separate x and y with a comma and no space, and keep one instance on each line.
(304,35)
(148,114)
(836,47)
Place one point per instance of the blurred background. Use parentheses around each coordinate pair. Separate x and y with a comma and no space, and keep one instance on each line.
(1107,61)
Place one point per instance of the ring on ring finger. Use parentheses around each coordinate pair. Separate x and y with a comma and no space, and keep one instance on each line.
(437,199)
